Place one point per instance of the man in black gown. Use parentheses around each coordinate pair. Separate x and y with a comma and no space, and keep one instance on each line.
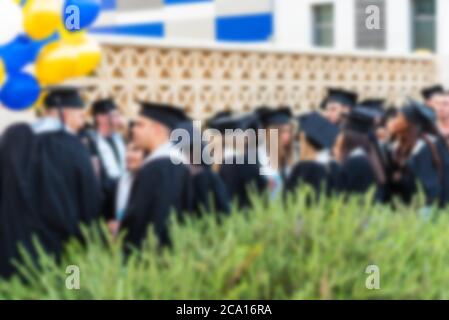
(163,185)
(48,186)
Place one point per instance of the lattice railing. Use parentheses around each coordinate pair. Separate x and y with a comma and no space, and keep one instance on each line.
(205,80)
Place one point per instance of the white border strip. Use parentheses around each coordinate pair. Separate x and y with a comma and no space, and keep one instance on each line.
(225,8)
(181,12)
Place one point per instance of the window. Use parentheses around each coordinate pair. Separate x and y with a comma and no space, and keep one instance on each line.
(424,24)
(323,25)
(370,24)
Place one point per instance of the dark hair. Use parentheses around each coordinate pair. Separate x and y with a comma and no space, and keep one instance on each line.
(407,137)
(353,140)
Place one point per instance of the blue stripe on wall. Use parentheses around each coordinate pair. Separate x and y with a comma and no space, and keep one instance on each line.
(155,29)
(248,28)
(108,4)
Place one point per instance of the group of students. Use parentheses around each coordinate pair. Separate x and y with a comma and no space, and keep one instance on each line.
(59,173)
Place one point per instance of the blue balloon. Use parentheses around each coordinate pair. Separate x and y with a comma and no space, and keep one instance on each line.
(20,91)
(17,53)
(22,51)
(80,14)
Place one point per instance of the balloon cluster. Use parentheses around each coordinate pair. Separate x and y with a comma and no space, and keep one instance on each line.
(43,43)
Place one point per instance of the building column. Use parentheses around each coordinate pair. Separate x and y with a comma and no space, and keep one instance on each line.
(399,34)
(344,22)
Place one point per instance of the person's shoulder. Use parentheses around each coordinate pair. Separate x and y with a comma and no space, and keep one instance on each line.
(356,164)
(64,143)
(421,154)
(206,175)
(308,165)
(163,166)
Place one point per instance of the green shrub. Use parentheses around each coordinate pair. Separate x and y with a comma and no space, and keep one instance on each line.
(274,251)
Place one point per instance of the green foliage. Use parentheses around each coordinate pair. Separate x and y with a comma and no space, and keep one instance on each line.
(276,250)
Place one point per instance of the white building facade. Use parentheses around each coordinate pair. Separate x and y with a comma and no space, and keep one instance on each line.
(395,26)
(406,26)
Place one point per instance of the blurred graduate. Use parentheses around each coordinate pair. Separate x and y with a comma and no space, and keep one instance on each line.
(239,164)
(107,147)
(48,184)
(210,193)
(163,184)
(356,150)
(276,148)
(337,104)
(316,166)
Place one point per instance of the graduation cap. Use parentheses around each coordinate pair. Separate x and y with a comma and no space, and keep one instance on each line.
(103,106)
(388,114)
(420,115)
(362,120)
(262,110)
(275,117)
(344,97)
(220,115)
(168,115)
(319,131)
(234,122)
(429,92)
(63,97)
(377,104)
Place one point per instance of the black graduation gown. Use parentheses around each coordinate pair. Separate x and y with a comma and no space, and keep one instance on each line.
(419,169)
(210,194)
(239,179)
(67,180)
(355,176)
(425,173)
(310,173)
(108,185)
(160,188)
(18,217)
(443,151)
(54,193)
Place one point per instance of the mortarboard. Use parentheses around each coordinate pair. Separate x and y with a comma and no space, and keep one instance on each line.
(103,106)
(377,104)
(262,110)
(344,97)
(243,122)
(429,92)
(318,130)
(420,115)
(168,115)
(362,120)
(275,117)
(220,115)
(63,97)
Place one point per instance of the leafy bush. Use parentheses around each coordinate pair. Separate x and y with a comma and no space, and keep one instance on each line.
(276,250)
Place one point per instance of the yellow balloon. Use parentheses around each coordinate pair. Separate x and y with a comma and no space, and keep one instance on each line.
(55,63)
(88,57)
(42,18)
(2,72)
(38,105)
(74,37)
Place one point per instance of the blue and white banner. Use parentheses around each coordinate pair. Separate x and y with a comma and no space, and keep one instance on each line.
(220,20)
